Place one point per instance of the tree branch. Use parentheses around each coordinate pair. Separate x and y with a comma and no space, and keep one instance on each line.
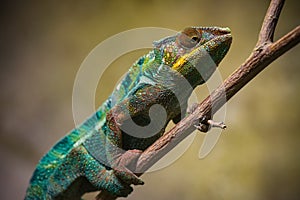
(264,53)
(269,24)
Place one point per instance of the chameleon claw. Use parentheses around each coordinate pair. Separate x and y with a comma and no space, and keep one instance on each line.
(127,176)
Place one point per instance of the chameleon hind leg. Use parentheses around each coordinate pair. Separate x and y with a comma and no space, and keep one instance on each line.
(79,163)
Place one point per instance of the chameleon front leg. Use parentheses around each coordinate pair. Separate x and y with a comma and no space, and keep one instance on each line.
(134,109)
(119,158)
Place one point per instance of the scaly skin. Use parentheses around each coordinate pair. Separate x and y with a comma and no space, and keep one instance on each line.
(95,155)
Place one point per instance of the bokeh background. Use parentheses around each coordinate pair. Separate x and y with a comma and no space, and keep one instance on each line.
(43,43)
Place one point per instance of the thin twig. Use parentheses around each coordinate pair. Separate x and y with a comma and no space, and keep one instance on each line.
(263,54)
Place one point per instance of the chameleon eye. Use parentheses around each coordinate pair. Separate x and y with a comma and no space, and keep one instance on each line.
(189,37)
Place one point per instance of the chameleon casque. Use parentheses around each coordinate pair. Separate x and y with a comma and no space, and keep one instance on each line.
(93,156)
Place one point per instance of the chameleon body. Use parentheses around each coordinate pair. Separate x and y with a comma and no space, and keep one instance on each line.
(94,155)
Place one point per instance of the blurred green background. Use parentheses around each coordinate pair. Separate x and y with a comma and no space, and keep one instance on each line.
(43,43)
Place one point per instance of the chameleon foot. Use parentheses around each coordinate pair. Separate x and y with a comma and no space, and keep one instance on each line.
(126,165)
(127,176)
(205,125)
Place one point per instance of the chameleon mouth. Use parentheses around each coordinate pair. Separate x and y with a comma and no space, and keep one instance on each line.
(220,35)
(220,40)
(216,47)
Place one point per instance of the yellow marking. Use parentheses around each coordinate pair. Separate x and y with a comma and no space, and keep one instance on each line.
(179,63)
(182,60)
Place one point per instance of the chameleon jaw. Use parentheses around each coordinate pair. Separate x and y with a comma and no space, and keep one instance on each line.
(217,46)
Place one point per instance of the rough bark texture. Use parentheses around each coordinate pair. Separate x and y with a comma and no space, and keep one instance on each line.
(264,53)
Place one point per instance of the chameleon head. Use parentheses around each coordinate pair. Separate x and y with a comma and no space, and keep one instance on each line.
(195,52)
